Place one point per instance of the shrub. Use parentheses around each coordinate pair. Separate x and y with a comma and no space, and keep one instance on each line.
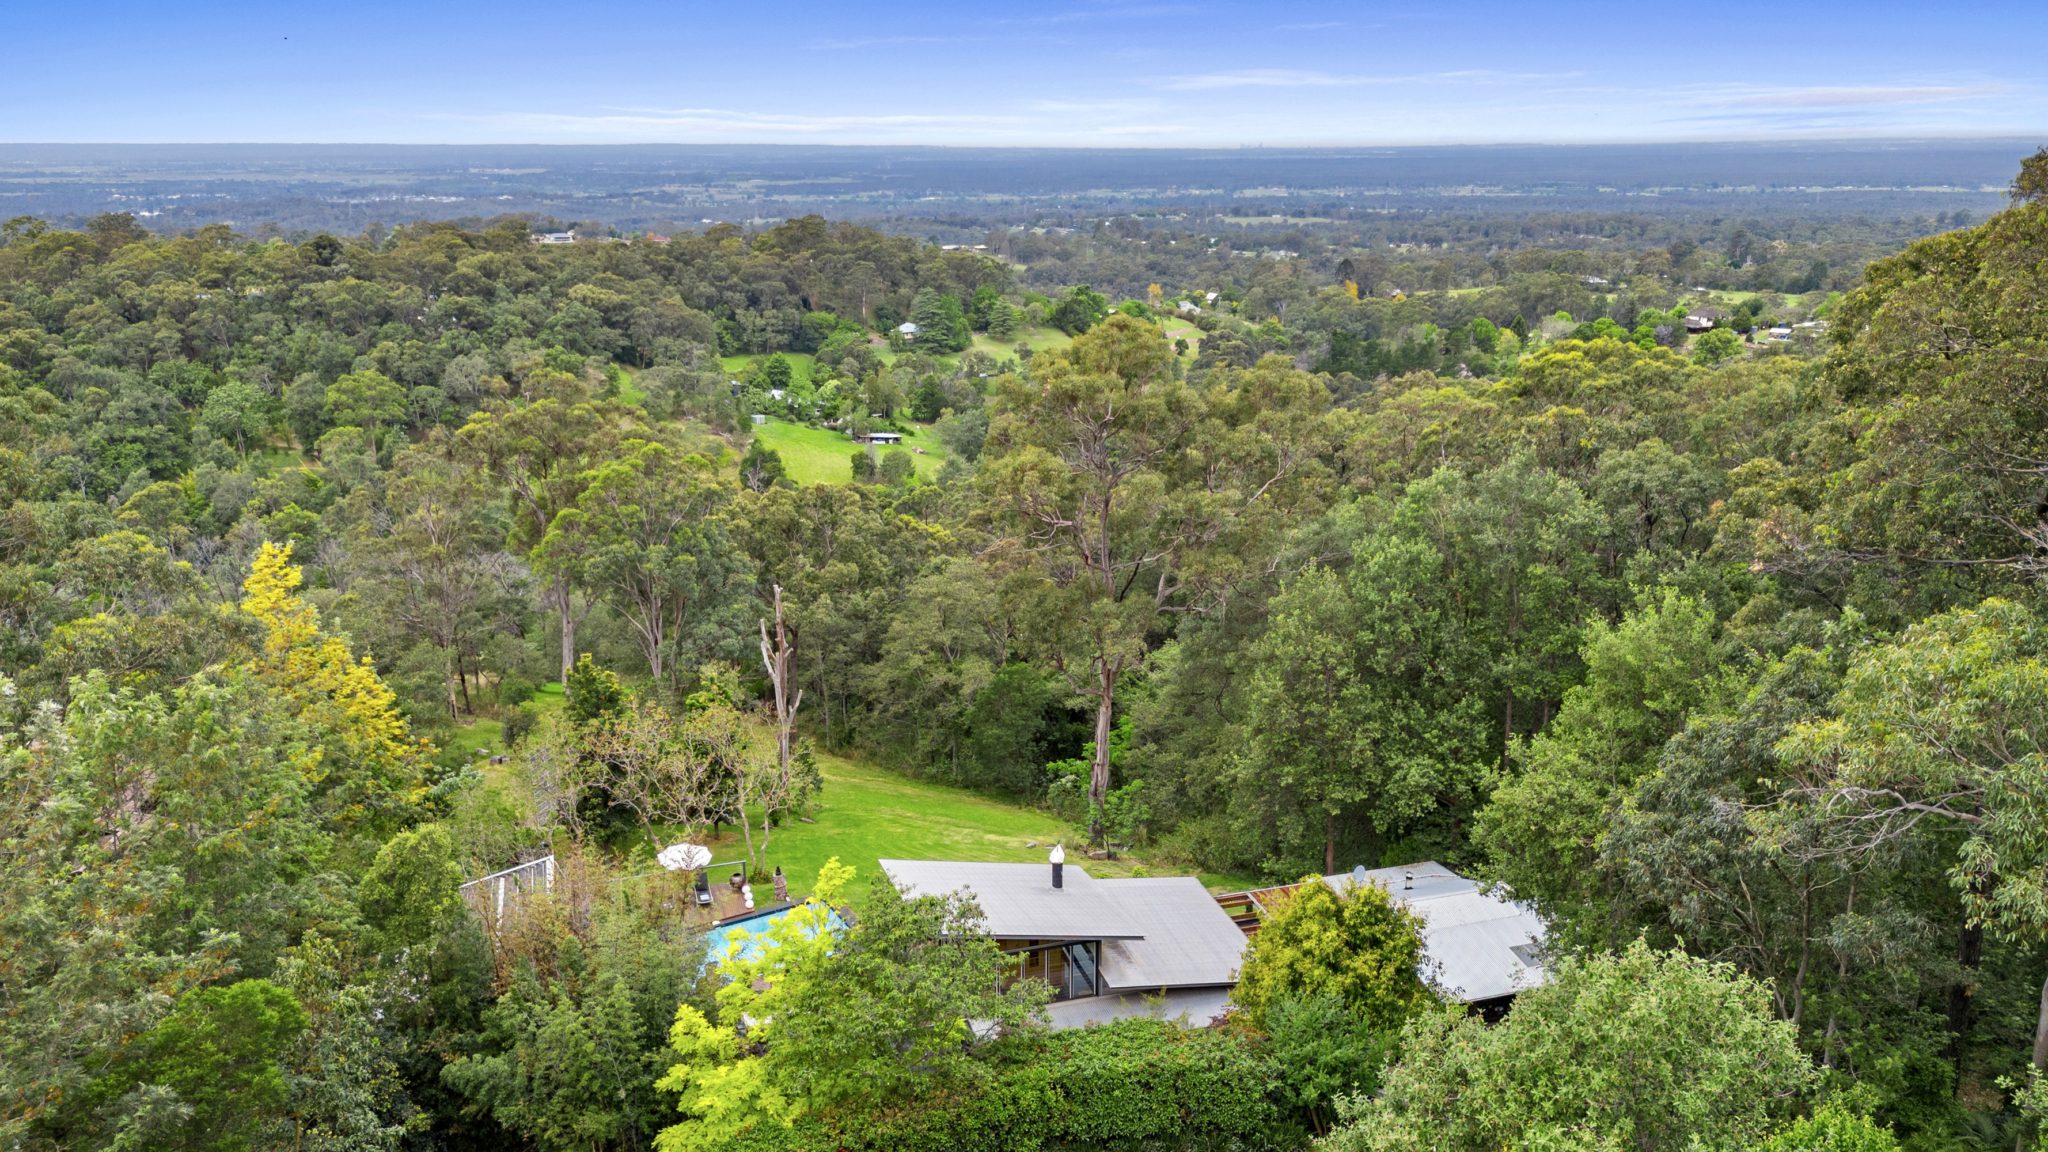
(1135,1084)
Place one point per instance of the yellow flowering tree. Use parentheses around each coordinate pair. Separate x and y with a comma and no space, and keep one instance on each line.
(370,766)
(820,1020)
(723,1076)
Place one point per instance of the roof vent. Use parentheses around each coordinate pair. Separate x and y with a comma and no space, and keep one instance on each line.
(1059,864)
(1407,881)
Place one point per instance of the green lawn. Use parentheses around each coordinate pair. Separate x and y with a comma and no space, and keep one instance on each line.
(629,388)
(1180,328)
(800,364)
(271,461)
(1039,340)
(866,813)
(472,741)
(823,456)
(548,697)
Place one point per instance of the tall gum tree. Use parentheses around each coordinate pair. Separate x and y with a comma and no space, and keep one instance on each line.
(543,451)
(647,535)
(1134,494)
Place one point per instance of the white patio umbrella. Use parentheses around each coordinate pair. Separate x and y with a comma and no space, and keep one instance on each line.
(677,857)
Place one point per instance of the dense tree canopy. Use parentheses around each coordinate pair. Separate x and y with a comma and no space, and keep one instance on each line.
(1722,651)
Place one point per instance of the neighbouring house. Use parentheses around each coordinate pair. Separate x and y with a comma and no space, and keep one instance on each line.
(885,437)
(1110,948)
(1702,319)
(1781,332)
(568,237)
(908,330)
(1187,307)
(1479,949)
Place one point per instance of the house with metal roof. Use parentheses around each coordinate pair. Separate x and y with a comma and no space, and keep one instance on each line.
(1479,948)
(1110,948)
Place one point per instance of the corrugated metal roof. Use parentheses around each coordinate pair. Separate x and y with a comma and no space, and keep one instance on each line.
(1473,943)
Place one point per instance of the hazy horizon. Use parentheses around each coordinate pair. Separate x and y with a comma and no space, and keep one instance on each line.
(1128,74)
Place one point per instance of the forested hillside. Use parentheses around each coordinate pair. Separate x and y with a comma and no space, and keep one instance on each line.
(1726,651)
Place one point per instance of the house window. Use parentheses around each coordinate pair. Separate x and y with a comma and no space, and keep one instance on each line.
(1073,968)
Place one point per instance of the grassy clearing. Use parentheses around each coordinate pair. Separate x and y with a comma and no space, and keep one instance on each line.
(465,743)
(800,365)
(1177,328)
(629,388)
(271,461)
(823,456)
(867,813)
(1038,339)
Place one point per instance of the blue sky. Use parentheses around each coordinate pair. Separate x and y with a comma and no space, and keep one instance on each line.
(1108,73)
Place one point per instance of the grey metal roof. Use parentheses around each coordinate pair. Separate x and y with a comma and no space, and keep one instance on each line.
(1473,943)
(1186,938)
(1018,900)
(1157,932)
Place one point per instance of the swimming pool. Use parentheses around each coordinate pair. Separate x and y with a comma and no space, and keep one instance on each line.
(751,932)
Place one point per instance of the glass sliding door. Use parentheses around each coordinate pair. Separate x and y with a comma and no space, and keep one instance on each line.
(1073,970)
(1082,975)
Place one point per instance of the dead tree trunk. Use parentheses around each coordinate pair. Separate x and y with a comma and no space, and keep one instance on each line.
(775,656)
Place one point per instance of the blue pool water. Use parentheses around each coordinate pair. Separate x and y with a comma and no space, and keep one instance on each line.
(750,934)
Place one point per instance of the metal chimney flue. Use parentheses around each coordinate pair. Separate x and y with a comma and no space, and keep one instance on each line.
(1407,881)
(1059,864)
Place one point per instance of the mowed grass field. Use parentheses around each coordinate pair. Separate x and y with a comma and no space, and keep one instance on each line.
(800,364)
(866,814)
(1038,339)
(823,456)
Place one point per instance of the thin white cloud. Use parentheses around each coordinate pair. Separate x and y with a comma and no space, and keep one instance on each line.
(1135,107)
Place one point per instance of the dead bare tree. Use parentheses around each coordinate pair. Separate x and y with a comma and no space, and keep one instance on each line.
(775,654)
(775,658)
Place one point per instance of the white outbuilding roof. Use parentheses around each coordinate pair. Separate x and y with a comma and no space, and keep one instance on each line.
(1477,946)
